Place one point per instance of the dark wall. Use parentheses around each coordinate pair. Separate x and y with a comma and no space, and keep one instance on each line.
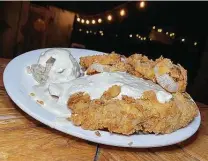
(13,17)
(25,27)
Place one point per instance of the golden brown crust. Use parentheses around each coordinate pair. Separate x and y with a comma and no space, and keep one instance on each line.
(176,72)
(129,115)
(139,66)
(112,92)
(109,59)
(142,66)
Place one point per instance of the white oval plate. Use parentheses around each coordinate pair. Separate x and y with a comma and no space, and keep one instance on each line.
(18,84)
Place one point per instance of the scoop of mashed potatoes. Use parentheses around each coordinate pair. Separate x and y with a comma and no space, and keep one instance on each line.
(56,66)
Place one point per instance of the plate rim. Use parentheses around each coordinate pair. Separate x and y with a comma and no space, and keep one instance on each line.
(49,123)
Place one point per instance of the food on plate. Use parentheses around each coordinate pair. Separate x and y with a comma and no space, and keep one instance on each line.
(129,115)
(99,68)
(120,94)
(105,59)
(95,85)
(142,65)
(171,77)
(56,66)
(104,63)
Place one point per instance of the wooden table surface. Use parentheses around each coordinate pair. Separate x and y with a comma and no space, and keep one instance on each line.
(24,139)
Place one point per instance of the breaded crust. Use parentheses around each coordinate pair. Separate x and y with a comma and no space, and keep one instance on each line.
(129,115)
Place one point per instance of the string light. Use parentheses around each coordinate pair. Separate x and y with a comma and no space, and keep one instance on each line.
(93,21)
(172,34)
(142,4)
(87,21)
(78,19)
(82,21)
(109,17)
(131,35)
(99,20)
(122,12)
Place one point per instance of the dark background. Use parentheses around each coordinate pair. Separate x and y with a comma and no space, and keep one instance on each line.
(186,19)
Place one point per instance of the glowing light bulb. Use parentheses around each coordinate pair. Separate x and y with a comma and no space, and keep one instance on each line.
(195,43)
(93,21)
(182,40)
(166,33)
(130,35)
(122,12)
(99,20)
(109,17)
(153,27)
(142,4)
(172,34)
(159,30)
(87,32)
(78,19)
(82,21)
(144,38)
(80,30)
(137,35)
(87,21)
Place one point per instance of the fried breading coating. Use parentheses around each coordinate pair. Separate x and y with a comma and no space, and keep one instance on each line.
(142,65)
(79,97)
(113,115)
(136,57)
(171,77)
(107,59)
(130,115)
(166,117)
(112,92)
